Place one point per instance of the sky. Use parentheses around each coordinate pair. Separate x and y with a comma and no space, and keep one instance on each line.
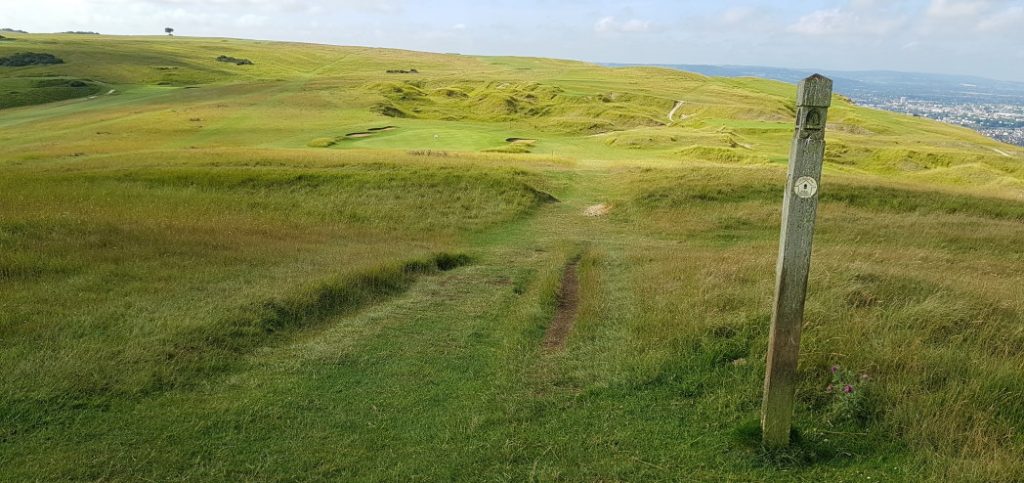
(975,37)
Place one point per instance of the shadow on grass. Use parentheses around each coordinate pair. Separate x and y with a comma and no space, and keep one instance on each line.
(809,448)
(214,347)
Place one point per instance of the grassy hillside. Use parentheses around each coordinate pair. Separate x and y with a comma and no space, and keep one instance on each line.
(309,267)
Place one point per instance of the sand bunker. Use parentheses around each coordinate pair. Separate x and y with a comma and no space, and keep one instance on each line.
(370,132)
(598,210)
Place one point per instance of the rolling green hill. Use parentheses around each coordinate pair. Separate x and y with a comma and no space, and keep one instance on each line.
(311,267)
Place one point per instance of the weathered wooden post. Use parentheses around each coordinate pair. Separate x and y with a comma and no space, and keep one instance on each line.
(799,207)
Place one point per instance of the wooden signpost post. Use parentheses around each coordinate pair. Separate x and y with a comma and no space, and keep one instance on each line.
(799,207)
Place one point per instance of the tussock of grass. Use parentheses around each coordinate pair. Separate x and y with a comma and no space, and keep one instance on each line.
(323,142)
(719,155)
(511,148)
(669,193)
(922,202)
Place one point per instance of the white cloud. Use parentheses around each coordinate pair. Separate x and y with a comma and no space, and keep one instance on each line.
(860,17)
(1010,19)
(821,22)
(955,19)
(613,25)
(738,15)
(953,9)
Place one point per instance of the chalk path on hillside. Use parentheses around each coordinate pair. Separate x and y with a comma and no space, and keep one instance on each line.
(672,113)
(1000,151)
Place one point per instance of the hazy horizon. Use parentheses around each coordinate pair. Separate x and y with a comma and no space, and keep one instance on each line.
(958,37)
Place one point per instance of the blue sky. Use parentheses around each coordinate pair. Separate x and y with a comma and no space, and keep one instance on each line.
(981,37)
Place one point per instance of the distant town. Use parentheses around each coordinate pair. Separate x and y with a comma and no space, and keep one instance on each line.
(1002,121)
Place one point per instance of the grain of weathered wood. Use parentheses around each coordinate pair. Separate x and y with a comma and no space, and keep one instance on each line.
(799,208)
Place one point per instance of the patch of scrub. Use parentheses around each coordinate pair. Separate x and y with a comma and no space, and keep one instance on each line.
(233,60)
(323,142)
(24,59)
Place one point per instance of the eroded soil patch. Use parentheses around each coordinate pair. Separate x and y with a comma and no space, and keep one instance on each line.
(598,210)
(568,307)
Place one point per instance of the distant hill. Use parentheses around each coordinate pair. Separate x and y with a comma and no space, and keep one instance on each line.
(477,103)
(875,83)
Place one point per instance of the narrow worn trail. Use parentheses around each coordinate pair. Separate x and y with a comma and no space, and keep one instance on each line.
(672,113)
(567,309)
(1003,153)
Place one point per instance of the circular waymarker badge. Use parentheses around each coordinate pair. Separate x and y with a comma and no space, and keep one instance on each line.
(805,187)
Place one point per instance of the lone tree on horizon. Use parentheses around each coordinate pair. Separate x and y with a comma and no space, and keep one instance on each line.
(169,30)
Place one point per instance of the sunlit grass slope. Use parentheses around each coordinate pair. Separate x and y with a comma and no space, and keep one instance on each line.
(311,268)
(173,93)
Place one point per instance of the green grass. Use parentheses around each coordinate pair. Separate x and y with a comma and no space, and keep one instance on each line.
(216,283)
(27,91)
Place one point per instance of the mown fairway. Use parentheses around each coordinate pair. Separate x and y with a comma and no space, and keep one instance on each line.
(203,277)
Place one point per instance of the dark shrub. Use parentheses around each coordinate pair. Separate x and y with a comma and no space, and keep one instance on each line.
(232,60)
(29,58)
(387,110)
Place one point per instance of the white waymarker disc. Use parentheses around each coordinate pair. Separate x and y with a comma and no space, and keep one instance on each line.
(805,187)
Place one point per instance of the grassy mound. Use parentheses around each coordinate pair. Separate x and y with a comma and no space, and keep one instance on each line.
(544,105)
(27,91)
(720,155)
(324,142)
